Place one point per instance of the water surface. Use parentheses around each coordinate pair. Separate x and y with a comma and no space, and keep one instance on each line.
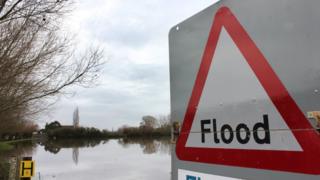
(142,159)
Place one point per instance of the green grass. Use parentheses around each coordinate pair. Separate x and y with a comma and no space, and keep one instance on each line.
(17,141)
(7,145)
(4,146)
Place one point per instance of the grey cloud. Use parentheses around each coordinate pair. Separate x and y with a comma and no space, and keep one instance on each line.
(135,80)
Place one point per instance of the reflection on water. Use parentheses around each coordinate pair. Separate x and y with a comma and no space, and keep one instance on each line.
(122,159)
(56,145)
(75,155)
(148,145)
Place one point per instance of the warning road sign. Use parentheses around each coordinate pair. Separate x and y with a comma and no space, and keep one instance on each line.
(270,132)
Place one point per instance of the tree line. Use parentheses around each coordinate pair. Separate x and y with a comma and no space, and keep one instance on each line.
(149,127)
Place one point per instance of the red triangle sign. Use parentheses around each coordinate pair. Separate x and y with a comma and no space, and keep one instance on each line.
(269,132)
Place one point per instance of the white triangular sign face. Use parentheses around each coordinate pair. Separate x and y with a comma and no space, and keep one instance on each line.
(251,121)
(240,113)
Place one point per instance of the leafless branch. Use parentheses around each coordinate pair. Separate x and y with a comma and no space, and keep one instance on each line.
(38,62)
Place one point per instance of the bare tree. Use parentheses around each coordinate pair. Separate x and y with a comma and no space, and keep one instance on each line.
(164,120)
(149,122)
(38,62)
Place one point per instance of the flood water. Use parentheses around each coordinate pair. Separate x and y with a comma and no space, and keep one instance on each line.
(141,159)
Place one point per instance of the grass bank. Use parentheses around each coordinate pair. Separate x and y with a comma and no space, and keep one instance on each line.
(5,146)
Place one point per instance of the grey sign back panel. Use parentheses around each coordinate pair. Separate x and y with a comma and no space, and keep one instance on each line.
(286,32)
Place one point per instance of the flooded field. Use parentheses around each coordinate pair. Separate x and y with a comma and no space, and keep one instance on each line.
(137,159)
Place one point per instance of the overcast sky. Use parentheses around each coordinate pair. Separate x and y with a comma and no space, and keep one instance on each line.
(135,79)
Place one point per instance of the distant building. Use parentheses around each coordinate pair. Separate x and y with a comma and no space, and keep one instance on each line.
(76,118)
